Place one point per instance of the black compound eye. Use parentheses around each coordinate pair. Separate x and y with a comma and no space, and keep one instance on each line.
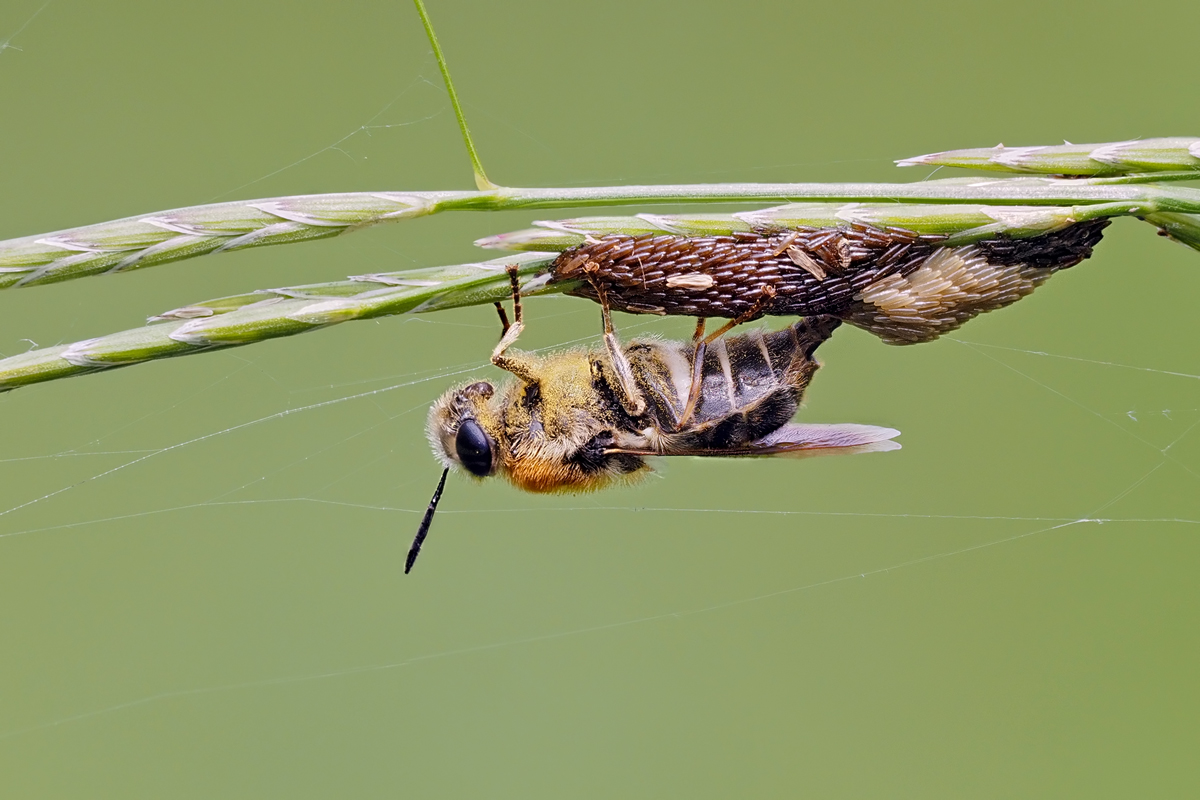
(474,448)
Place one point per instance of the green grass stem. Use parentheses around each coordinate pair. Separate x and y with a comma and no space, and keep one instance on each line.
(143,241)
(270,314)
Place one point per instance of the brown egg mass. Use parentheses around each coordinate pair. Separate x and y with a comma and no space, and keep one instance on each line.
(902,286)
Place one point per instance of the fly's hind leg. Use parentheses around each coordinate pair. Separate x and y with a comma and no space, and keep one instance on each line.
(629,395)
(519,365)
(701,342)
(699,348)
(766,295)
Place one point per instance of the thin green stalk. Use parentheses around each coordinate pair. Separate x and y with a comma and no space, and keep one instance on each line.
(269,314)
(137,242)
(481,179)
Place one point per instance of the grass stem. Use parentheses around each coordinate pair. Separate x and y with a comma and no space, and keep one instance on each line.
(481,179)
(143,241)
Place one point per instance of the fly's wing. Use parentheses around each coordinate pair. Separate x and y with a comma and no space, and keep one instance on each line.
(798,441)
(824,440)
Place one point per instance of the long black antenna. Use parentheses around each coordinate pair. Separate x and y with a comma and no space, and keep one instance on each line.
(423,531)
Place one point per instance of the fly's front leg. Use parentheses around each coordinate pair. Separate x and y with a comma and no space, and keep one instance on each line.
(629,394)
(520,365)
(504,324)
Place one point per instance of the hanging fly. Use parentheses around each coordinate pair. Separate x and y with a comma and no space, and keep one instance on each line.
(580,420)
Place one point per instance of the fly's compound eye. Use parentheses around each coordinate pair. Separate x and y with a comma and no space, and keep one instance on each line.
(474,448)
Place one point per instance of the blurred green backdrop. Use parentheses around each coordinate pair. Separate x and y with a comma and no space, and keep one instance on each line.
(228,617)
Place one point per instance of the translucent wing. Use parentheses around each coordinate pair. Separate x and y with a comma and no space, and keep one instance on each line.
(798,441)
(824,440)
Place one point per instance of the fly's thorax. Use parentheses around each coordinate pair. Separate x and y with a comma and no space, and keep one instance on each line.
(560,400)
(549,434)
(557,430)
(571,467)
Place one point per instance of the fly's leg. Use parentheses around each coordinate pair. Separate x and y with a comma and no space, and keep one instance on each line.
(509,333)
(519,365)
(700,347)
(629,395)
(504,326)
(766,295)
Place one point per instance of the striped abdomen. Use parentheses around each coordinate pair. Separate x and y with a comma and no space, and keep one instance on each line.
(751,385)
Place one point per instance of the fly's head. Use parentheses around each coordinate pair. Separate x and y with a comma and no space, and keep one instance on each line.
(464,430)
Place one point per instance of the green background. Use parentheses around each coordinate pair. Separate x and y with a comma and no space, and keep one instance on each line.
(229,618)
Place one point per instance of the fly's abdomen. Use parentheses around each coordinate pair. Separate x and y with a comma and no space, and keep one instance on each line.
(752,384)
